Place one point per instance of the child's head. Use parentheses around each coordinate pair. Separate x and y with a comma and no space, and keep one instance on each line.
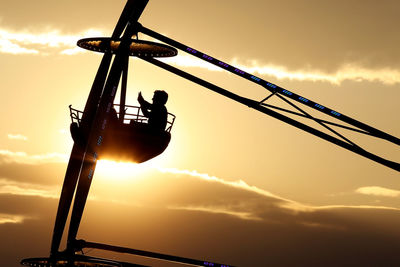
(160,97)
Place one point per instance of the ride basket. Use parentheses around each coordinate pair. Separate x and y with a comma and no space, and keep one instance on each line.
(128,139)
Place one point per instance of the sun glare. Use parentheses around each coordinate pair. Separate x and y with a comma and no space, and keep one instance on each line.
(120,170)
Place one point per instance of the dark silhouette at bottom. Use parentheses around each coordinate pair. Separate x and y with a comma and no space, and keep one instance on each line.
(137,141)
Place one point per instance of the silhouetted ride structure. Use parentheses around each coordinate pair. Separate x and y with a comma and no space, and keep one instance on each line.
(102,132)
(127,138)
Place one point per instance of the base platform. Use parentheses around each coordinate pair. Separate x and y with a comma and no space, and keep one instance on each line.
(75,261)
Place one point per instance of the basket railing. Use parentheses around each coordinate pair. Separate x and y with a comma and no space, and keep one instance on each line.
(132,113)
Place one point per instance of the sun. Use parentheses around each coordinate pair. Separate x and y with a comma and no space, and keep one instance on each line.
(121,171)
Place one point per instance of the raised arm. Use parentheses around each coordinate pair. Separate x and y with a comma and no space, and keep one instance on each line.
(144,105)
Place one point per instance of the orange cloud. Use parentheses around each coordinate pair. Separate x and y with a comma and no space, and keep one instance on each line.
(346,72)
(378,191)
(171,208)
(24,158)
(39,42)
(27,189)
(25,42)
(10,218)
(218,210)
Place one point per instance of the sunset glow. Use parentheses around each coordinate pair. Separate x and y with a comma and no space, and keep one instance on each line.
(120,171)
(234,185)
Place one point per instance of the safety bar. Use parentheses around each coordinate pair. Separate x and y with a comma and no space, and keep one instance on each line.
(132,113)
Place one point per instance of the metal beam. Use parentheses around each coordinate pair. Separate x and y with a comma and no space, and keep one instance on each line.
(77,154)
(123,89)
(270,86)
(256,105)
(153,255)
(96,133)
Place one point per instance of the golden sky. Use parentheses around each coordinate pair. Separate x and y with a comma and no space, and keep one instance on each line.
(234,185)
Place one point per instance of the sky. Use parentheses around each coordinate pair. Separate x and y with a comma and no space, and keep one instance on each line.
(234,186)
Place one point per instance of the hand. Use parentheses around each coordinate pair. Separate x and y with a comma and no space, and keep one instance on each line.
(140,97)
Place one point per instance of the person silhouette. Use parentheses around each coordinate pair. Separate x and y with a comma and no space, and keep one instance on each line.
(156,112)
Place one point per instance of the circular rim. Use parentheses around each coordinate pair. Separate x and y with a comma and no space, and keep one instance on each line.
(138,48)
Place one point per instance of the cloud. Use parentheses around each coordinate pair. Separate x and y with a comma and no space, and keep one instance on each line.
(218,210)
(378,191)
(17,137)
(263,228)
(346,72)
(40,43)
(241,185)
(24,158)
(248,208)
(234,198)
(210,194)
(28,42)
(72,51)
(22,42)
(174,208)
(10,218)
(190,190)
(206,184)
(8,47)
(27,189)
(237,184)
